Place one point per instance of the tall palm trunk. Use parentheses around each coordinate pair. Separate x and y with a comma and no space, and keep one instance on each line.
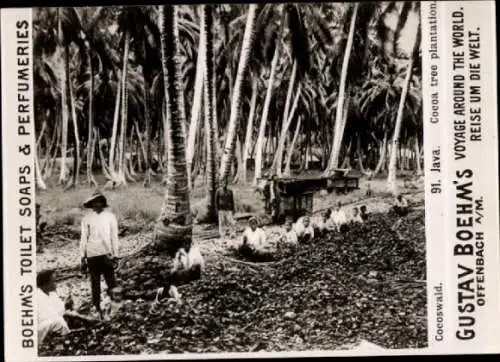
(360,154)
(228,154)
(417,157)
(209,88)
(197,101)
(40,183)
(124,111)
(248,133)
(64,104)
(175,221)
(391,177)
(284,132)
(339,124)
(147,119)
(291,147)
(77,156)
(288,102)
(90,142)
(267,102)
(116,118)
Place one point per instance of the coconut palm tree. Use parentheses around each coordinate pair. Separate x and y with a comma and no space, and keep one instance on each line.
(248,38)
(175,222)
(210,126)
(391,177)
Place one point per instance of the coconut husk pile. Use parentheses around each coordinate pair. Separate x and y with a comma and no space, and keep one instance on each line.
(366,283)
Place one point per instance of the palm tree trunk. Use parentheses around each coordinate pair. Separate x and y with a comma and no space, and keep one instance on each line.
(64,110)
(284,132)
(359,152)
(174,225)
(197,101)
(248,133)
(147,118)
(339,126)
(417,157)
(267,102)
(391,177)
(287,105)
(248,36)
(292,147)
(116,118)
(90,152)
(239,160)
(124,111)
(209,88)
(77,157)
(40,183)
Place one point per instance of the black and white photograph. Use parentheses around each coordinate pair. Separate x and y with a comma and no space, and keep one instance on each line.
(219,178)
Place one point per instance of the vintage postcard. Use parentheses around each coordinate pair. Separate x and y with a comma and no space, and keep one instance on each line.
(250,180)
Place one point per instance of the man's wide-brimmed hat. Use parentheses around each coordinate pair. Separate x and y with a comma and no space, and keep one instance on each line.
(96,196)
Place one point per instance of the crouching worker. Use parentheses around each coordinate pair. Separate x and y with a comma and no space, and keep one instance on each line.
(255,246)
(326,224)
(356,217)
(400,206)
(54,314)
(289,237)
(188,267)
(304,230)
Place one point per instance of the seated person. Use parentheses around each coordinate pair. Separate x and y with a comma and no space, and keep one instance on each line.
(54,313)
(304,229)
(363,213)
(188,266)
(289,236)
(110,305)
(255,244)
(356,216)
(326,223)
(339,217)
(400,206)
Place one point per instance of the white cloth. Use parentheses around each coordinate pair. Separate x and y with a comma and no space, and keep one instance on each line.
(339,218)
(256,239)
(290,237)
(50,315)
(326,225)
(302,230)
(187,260)
(99,234)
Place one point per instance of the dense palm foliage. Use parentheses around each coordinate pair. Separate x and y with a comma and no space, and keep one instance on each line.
(283,84)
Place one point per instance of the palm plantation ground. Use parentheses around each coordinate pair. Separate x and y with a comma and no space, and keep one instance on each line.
(157,105)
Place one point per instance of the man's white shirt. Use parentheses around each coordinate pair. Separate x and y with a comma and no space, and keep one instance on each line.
(50,314)
(302,230)
(256,239)
(339,217)
(290,237)
(99,234)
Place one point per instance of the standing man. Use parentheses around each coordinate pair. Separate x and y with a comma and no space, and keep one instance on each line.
(99,246)
(224,204)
